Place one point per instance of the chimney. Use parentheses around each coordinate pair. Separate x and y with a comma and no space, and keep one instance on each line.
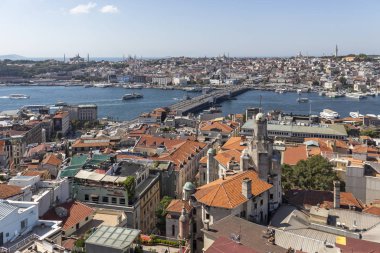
(336,194)
(247,188)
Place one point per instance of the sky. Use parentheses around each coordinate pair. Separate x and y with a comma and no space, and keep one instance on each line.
(196,28)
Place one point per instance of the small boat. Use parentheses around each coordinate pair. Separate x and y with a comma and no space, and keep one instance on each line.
(299,91)
(355,115)
(302,100)
(132,96)
(192,89)
(329,114)
(355,95)
(280,90)
(136,86)
(18,96)
(322,93)
(371,94)
(102,85)
(87,85)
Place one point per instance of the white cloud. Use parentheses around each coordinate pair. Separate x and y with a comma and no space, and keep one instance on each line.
(109,9)
(83,8)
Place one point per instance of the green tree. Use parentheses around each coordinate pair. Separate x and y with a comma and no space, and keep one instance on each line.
(370,132)
(130,187)
(315,173)
(161,212)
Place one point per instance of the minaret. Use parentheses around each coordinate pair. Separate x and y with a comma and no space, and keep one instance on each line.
(64,58)
(183,224)
(88,57)
(336,50)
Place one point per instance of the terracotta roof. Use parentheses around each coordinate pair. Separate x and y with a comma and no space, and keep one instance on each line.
(372,210)
(69,243)
(216,125)
(51,159)
(234,143)
(227,193)
(225,157)
(152,142)
(176,206)
(203,160)
(8,191)
(293,154)
(183,153)
(307,198)
(359,246)
(76,212)
(82,143)
(225,245)
(44,174)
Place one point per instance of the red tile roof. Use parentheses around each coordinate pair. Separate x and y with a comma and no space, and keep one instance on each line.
(225,245)
(216,126)
(52,159)
(228,156)
(308,198)
(77,212)
(176,206)
(227,193)
(234,143)
(359,246)
(294,154)
(372,210)
(8,191)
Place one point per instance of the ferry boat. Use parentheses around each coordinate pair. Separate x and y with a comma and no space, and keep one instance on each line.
(329,114)
(132,96)
(371,94)
(18,96)
(355,95)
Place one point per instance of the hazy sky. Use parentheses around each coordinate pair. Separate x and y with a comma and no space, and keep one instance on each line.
(156,28)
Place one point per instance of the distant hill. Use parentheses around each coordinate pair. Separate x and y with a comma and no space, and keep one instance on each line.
(12,57)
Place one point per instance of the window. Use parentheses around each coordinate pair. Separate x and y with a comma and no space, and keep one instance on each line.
(86,219)
(194,227)
(122,201)
(105,199)
(86,197)
(270,196)
(114,200)
(23,224)
(77,226)
(261,202)
(95,199)
(242,214)
(207,216)
(173,230)
(255,205)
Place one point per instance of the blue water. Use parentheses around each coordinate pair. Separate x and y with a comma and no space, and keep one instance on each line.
(110,103)
(287,102)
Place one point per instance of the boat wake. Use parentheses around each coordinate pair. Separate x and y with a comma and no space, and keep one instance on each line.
(4,96)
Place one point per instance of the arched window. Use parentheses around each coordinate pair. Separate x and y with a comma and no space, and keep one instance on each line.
(173,230)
